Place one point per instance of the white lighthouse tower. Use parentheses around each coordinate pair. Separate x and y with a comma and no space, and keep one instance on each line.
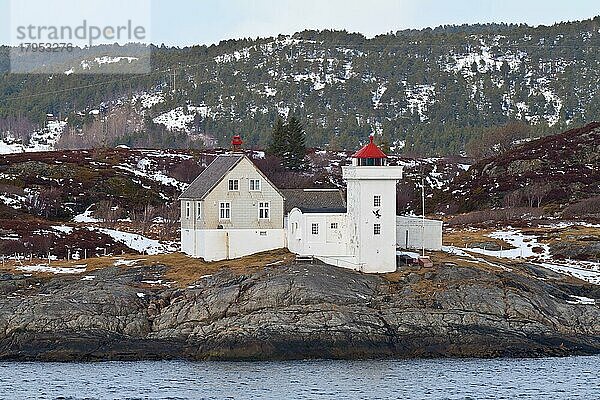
(371,202)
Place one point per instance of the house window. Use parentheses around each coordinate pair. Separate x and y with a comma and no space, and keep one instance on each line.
(377,229)
(198,210)
(264,210)
(334,225)
(315,229)
(294,227)
(225,210)
(234,185)
(255,185)
(188,209)
(377,201)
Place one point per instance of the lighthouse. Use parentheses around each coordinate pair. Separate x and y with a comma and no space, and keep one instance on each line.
(371,205)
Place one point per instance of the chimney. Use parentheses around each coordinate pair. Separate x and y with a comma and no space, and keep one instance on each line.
(236,144)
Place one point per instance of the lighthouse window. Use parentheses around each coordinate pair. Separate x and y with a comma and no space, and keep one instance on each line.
(377,201)
(334,225)
(264,210)
(315,229)
(234,185)
(225,210)
(255,185)
(377,229)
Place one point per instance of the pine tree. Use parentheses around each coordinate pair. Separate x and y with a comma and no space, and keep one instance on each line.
(295,154)
(278,142)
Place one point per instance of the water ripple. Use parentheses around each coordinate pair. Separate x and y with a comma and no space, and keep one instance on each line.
(555,378)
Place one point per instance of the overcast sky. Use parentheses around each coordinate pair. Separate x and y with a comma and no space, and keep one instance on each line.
(185,22)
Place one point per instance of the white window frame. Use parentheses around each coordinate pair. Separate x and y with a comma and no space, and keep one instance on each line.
(264,210)
(188,210)
(225,211)
(255,185)
(377,229)
(314,229)
(377,201)
(235,183)
(198,210)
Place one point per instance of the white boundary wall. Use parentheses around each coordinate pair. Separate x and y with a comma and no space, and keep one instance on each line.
(227,244)
(410,233)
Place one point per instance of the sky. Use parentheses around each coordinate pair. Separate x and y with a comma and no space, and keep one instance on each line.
(188,22)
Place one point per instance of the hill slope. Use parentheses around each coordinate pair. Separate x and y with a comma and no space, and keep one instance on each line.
(555,170)
(430,90)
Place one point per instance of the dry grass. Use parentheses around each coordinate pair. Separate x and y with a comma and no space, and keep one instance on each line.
(466,238)
(570,234)
(181,269)
(185,270)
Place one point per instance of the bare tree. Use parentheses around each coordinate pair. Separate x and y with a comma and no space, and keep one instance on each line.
(19,128)
(498,140)
(143,219)
(45,203)
(540,192)
(186,171)
(170,215)
(513,199)
(109,212)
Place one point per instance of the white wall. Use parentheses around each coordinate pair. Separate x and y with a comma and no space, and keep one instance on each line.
(227,244)
(244,203)
(244,242)
(187,242)
(328,242)
(376,253)
(411,235)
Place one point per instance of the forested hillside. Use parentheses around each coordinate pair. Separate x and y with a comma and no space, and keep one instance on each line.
(430,91)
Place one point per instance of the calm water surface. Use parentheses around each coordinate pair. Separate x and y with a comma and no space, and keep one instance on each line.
(557,378)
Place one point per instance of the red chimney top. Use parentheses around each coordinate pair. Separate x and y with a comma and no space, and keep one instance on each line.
(236,143)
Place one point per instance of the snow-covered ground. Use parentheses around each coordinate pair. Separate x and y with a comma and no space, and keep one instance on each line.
(41,140)
(139,243)
(148,100)
(529,248)
(180,119)
(86,216)
(143,169)
(45,268)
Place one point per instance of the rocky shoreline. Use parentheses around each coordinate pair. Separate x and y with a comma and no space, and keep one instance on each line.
(298,311)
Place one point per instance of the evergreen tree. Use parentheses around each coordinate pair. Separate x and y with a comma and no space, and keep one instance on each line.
(278,143)
(295,152)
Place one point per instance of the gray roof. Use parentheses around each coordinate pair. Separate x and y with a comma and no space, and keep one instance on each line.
(314,201)
(211,176)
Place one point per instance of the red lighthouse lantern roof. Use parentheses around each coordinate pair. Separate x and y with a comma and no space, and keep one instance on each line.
(370,151)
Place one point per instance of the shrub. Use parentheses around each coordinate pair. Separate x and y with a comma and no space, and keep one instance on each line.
(585,207)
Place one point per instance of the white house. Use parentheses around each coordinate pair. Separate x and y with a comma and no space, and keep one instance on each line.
(232,210)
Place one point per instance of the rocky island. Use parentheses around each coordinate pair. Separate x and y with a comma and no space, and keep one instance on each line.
(272,307)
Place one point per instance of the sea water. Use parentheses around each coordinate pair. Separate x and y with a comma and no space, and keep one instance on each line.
(548,378)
